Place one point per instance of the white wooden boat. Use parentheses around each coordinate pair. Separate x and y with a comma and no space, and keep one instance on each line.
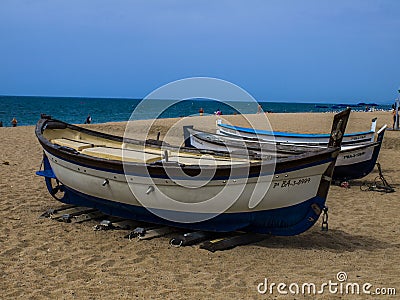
(354,161)
(148,182)
(295,138)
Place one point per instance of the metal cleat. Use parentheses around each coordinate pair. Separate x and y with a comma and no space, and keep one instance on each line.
(104,225)
(47,214)
(65,218)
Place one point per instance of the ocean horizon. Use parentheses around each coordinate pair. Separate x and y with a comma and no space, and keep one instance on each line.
(27,109)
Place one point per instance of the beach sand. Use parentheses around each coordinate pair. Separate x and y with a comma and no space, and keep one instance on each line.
(42,258)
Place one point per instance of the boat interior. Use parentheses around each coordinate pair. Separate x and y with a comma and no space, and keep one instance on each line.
(104,148)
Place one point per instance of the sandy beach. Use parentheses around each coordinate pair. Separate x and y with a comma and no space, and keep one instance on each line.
(45,259)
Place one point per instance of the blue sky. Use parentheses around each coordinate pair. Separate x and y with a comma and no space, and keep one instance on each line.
(304,51)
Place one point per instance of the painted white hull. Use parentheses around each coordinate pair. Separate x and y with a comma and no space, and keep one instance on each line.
(357,155)
(286,189)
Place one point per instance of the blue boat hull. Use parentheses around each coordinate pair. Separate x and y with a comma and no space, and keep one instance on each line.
(356,171)
(361,169)
(286,221)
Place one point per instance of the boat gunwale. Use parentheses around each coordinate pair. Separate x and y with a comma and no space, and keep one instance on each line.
(288,134)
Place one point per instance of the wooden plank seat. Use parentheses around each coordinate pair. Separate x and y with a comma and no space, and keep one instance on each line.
(134,153)
(77,145)
(116,154)
(206,160)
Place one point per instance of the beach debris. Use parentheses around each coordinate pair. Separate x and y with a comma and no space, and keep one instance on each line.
(345,184)
(7,163)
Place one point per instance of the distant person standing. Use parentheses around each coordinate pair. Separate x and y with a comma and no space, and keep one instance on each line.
(88,120)
(259,109)
(218,112)
(1,123)
(14,122)
(201,111)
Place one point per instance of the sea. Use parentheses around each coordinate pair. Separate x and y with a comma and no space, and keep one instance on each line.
(27,109)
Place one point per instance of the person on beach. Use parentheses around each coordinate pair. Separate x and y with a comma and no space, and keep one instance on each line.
(259,109)
(1,123)
(14,122)
(394,115)
(201,111)
(88,120)
(218,112)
